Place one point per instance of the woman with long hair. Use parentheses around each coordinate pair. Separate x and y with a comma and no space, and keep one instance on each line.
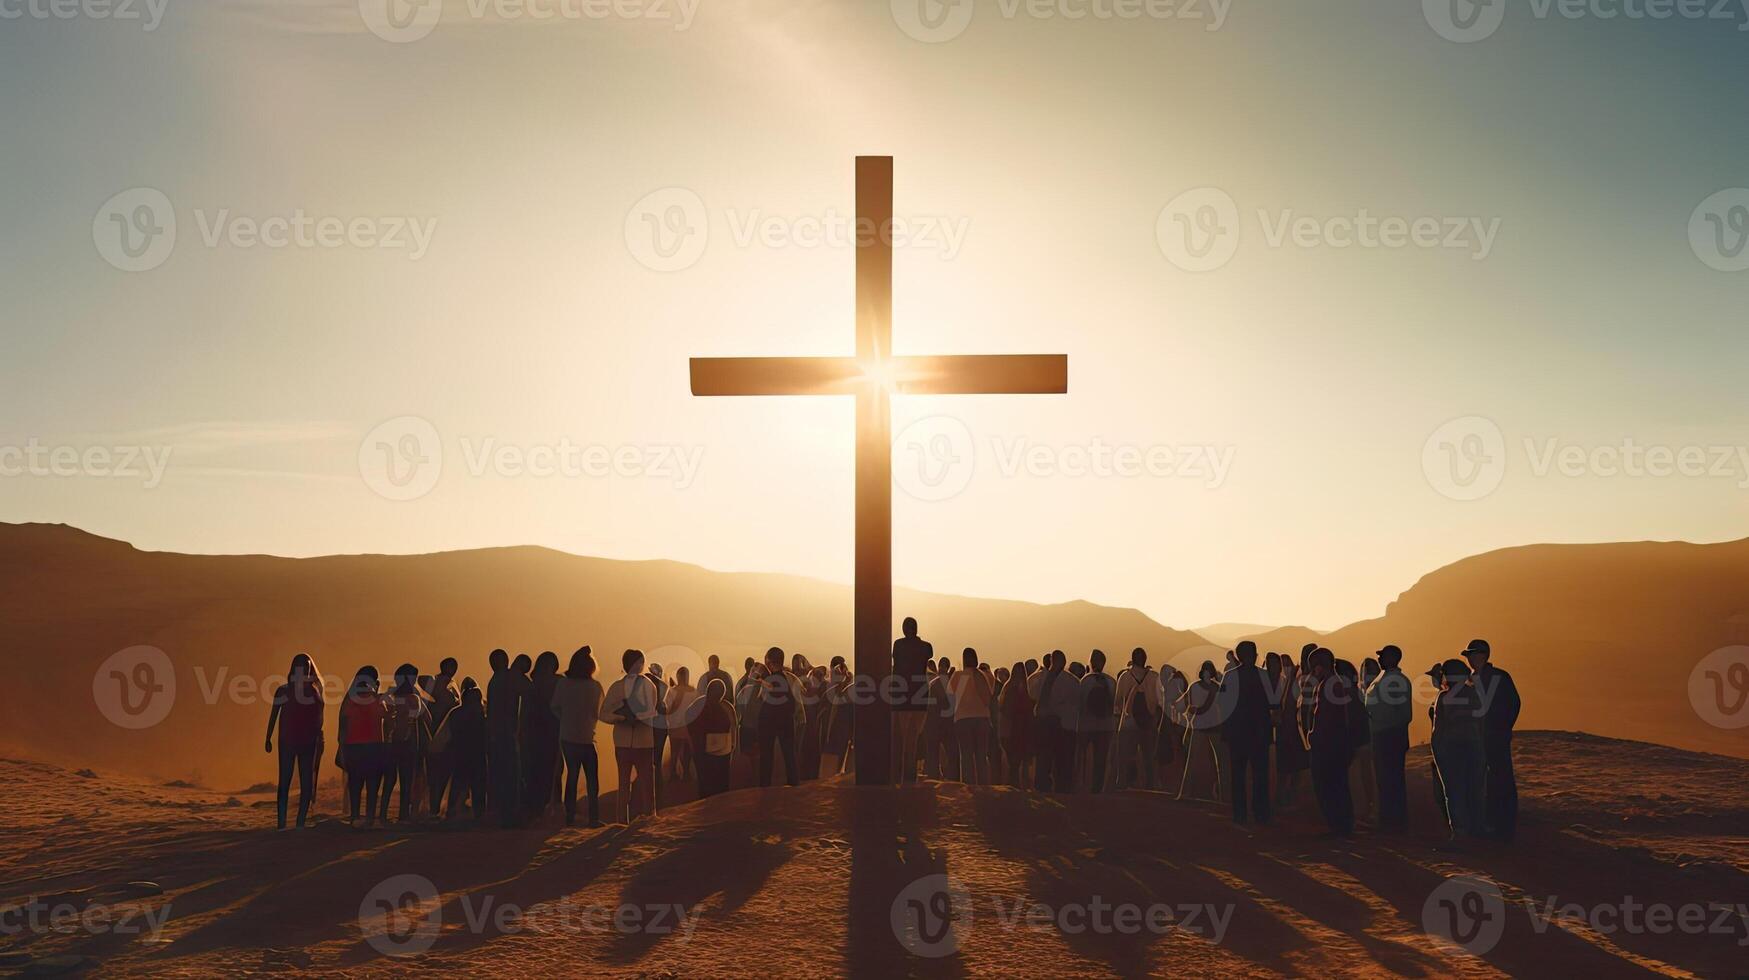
(1014,723)
(364,717)
(408,731)
(1202,721)
(576,702)
(298,707)
(540,738)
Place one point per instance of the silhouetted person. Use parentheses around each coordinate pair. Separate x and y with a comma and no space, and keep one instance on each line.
(659,730)
(813,682)
(1331,747)
(1015,724)
(1097,717)
(464,744)
(630,705)
(1291,751)
(1500,708)
(1138,723)
(408,729)
(745,717)
(970,695)
(780,702)
(1390,706)
(681,710)
(840,724)
(1460,750)
(1360,775)
(940,753)
(540,737)
(908,689)
(364,719)
(1170,749)
(1248,731)
(503,724)
(714,672)
(442,697)
(297,711)
(713,737)
(1201,710)
(576,703)
(1056,696)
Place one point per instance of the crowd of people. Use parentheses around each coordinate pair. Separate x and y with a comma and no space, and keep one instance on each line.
(1240,733)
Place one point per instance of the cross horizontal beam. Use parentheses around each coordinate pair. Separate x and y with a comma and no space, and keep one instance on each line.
(948,374)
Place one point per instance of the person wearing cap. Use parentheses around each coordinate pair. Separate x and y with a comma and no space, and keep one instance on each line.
(1458,749)
(1389,709)
(1500,705)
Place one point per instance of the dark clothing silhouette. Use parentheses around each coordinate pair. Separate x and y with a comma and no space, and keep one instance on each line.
(911,657)
(1390,750)
(1498,719)
(581,756)
(1248,730)
(504,693)
(1331,750)
(463,737)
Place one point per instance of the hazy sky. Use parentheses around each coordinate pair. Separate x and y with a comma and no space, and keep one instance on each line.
(514,229)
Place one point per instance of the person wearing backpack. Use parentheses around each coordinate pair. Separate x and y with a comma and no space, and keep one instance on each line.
(1248,729)
(630,706)
(1138,727)
(1056,697)
(1098,717)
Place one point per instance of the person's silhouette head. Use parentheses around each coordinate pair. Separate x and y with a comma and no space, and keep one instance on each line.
(1478,653)
(364,683)
(1247,653)
(713,661)
(837,662)
(448,668)
(1032,665)
(1272,663)
(656,671)
(1138,658)
(1323,662)
(632,662)
(1345,670)
(1207,671)
(1059,660)
(942,666)
(681,676)
(774,660)
(716,690)
(747,667)
(522,664)
(471,697)
(582,664)
(468,684)
(1306,655)
(547,664)
(499,660)
(1390,658)
(302,670)
(1454,673)
(969,657)
(909,626)
(1369,671)
(406,676)
(1079,669)
(1097,659)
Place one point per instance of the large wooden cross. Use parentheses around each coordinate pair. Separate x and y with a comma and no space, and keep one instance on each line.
(873,376)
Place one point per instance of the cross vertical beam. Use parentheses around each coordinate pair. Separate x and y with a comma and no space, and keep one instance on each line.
(874,479)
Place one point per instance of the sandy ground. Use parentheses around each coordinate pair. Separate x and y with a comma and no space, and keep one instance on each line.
(936,880)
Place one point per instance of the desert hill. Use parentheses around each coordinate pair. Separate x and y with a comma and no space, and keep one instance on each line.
(69,600)
(1599,637)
